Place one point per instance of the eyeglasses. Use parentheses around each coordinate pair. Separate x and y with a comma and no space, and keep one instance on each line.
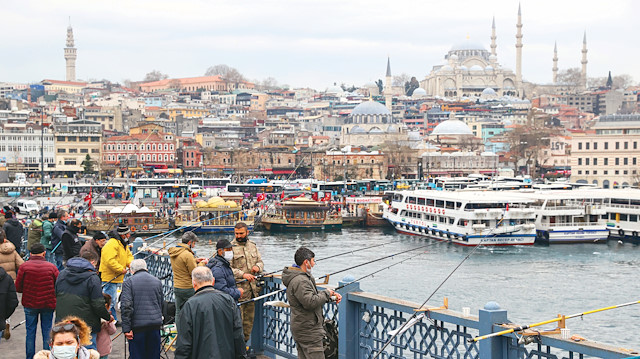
(66,327)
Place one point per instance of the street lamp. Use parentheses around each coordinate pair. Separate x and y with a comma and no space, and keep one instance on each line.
(420,170)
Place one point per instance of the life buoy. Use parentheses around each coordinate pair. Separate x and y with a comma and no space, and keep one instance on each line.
(144,228)
(133,228)
(621,232)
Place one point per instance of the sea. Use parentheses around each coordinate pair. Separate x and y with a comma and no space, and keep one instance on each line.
(533,283)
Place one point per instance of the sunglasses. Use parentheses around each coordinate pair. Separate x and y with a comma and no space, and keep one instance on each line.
(66,327)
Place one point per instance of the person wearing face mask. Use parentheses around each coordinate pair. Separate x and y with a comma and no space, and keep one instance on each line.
(67,340)
(115,257)
(183,262)
(306,304)
(71,244)
(246,264)
(221,270)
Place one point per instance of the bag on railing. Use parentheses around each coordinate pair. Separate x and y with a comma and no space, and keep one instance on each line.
(330,341)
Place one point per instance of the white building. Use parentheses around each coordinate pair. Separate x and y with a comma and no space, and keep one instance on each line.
(20,145)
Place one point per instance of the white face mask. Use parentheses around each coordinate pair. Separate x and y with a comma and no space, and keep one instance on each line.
(64,351)
(228,255)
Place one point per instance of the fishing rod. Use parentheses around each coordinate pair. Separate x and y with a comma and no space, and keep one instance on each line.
(325,258)
(415,314)
(560,318)
(336,272)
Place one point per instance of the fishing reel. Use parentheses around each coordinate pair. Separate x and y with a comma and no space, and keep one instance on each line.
(260,282)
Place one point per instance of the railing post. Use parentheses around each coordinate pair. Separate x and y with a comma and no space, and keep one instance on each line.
(256,341)
(137,244)
(492,348)
(348,320)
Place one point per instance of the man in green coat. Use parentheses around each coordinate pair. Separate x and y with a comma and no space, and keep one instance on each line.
(209,325)
(45,239)
(306,305)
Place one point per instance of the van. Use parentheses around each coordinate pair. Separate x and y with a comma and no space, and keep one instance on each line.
(28,206)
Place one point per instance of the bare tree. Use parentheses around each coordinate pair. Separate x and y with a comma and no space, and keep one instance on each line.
(226,72)
(400,80)
(175,84)
(155,75)
(267,84)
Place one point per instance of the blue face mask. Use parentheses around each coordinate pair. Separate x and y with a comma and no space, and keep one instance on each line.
(64,351)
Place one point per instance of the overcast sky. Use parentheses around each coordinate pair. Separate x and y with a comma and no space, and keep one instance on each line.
(308,43)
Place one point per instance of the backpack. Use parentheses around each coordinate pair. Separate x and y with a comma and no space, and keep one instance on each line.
(34,234)
(330,340)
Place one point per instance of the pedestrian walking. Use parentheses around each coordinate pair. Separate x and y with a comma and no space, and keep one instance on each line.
(306,304)
(8,302)
(47,230)
(246,264)
(67,340)
(36,281)
(115,258)
(79,293)
(141,306)
(221,270)
(56,237)
(210,325)
(183,262)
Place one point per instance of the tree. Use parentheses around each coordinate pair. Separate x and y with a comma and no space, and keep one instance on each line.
(410,86)
(526,143)
(571,76)
(226,72)
(267,84)
(155,75)
(348,89)
(175,84)
(380,85)
(88,165)
(401,80)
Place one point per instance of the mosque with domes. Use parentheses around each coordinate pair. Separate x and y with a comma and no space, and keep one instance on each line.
(370,124)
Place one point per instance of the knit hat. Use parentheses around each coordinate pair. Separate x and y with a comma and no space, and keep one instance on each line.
(99,235)
(36,248)
(53,215)
(223,244)
(122,229)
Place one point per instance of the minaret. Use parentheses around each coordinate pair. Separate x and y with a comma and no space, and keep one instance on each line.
(584,61)
(70,55)
(519,50)
(388,96)
(493,37)
(555,63)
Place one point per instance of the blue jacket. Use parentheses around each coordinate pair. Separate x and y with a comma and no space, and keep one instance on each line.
(141,302)
(221,270)
(79,293)
(56,236)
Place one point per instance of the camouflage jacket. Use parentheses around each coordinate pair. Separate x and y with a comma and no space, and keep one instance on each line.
(245,256)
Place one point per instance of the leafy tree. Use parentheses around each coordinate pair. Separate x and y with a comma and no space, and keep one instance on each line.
(226,72)
(88,165)
(155,75)
(410,86)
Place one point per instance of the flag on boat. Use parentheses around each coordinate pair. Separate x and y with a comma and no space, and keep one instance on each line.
(89,197)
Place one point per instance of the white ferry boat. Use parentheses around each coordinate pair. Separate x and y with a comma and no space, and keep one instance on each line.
(465,217)
(622,212)
(568,217)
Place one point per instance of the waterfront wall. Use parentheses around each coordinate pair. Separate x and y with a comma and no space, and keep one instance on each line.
(364,320)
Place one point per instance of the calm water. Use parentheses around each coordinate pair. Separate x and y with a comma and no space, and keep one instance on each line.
(533,283)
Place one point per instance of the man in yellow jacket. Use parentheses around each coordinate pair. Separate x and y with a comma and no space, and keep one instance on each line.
(115,258)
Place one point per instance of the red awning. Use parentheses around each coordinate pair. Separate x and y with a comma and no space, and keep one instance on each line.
(161,170)
(283,172)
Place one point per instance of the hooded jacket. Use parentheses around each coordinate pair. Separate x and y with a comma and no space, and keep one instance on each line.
(36,281)
(223,274)
(114,259)
(79,293)
(141,302)
(93,247)
(10,260)
(8,296)
(306,305)
(15,231)
(71,243)
(182,262)
(210,326)
(56,236)
(35,233)
(47,230)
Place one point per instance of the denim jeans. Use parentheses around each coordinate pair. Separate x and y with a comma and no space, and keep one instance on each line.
(145,345)
(31,317)
(112,290)
(94,338)
(48,255)
(58,260)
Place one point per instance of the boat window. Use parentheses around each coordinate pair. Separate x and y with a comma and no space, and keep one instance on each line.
(605,216)
(440,203)
(411,200)
(458,205)
(421,201)
(451,220)
(633,218)
(623,217)
(450,205)
(430,202)
(442,219)
(403,213)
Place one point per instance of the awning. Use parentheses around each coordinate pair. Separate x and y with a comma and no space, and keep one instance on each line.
(283,172)
(167,170)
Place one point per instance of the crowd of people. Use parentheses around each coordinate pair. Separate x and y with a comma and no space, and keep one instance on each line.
(78,283)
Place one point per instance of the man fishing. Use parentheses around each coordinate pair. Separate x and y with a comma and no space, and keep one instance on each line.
(306,305)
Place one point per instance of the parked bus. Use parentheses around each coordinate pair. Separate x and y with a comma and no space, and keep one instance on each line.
(252,189)
(209,182)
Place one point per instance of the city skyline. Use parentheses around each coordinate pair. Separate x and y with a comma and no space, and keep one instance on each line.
(308,44)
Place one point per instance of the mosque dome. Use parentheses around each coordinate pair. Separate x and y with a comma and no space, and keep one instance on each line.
(489,93)
(419,92)
(467,45)
(369,85)
(453,57)
(493,58)
(392,129)
(476,68)
(452,127)
(415,136)
(370,108)
(488,68)
(446,68)
(335,90)
(375,130)
(463,68)
(357,129)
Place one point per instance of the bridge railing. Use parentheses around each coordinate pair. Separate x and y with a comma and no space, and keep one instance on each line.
(365,319)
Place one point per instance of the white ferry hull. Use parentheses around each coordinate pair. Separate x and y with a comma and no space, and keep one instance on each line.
(573,235)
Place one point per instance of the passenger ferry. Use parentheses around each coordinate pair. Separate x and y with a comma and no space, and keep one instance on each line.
(568,217)
(301,213)
(141,221)
(622,212)
(214,216)
(466,218)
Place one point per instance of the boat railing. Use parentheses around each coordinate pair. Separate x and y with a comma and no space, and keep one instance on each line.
(627,206)
(364,320)
(575,224)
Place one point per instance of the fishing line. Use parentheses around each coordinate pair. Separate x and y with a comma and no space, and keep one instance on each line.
(400,330)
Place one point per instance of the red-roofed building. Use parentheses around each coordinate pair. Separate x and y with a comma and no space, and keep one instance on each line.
(208,83)
(140,151)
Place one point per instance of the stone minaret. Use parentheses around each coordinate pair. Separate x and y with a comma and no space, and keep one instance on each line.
(584,61)
(493,37)
(70,55)
(388,95)
(555,63)
(519,50)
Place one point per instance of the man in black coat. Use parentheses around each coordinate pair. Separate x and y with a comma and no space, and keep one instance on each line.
(141,304)
(14,230)
(8,300)
(71,243)
(56,236)
(209,325)
(221,270)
